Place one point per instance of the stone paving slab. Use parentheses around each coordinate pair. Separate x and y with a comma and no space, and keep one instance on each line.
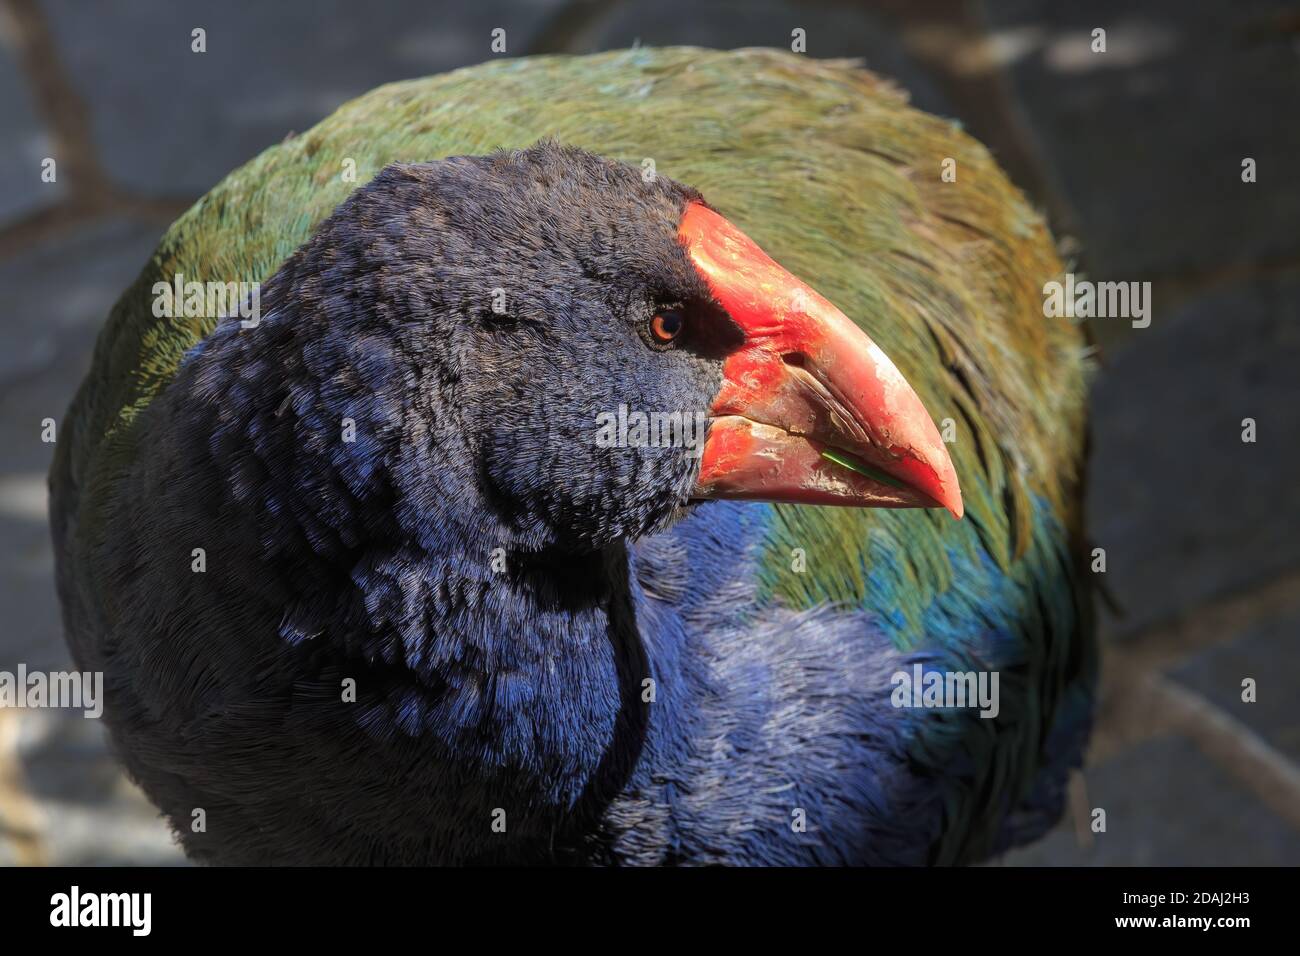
(57,294)
(1184,508)
(91,815)
(169,121)
(1146,140)
(23,146)
(1268,652)
(1166,805)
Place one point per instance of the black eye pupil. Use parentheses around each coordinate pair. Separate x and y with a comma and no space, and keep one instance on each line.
(666,326)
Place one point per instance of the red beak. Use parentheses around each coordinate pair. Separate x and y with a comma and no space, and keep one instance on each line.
(806,384)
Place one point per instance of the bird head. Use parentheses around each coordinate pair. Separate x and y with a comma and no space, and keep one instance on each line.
(609,350)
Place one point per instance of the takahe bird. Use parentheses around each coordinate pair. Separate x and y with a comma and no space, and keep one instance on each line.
(367,586)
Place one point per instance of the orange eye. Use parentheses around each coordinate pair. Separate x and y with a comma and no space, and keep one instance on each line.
(666,326)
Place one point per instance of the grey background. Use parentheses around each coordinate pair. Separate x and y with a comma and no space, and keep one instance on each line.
(1135,155)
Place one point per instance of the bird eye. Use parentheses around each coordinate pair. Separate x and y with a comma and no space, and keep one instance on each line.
(666,326)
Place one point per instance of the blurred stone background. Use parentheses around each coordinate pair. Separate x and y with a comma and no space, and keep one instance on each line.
(1134,154)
